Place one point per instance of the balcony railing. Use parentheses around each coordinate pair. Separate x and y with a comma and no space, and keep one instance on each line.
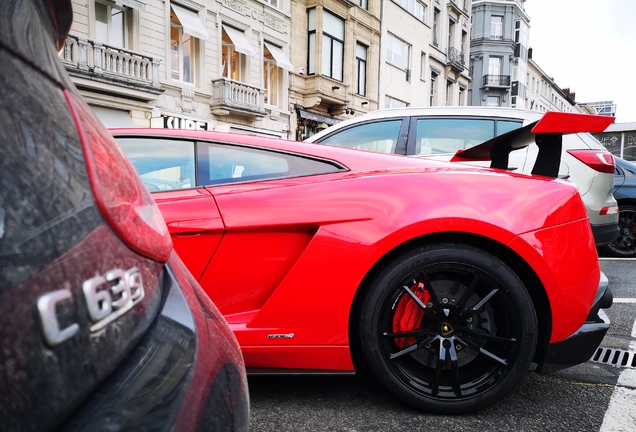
(496,81)
(455,59)
(237,97)
(94,60)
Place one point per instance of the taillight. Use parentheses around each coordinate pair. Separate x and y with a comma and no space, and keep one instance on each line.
(608,210)
(598,160)
(123,201)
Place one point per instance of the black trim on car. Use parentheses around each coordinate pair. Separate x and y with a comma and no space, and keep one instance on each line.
(582,344)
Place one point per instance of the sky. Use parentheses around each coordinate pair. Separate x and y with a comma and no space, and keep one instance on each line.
(588,46)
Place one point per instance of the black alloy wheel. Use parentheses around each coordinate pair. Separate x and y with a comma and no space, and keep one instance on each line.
(625,245)
(448,328)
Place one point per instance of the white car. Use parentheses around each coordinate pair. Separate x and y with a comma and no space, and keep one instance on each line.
(440,132)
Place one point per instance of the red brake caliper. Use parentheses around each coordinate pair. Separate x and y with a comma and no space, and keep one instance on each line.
(408,315)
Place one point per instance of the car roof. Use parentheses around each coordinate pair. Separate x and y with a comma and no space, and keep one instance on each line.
(387,113)
(354,159)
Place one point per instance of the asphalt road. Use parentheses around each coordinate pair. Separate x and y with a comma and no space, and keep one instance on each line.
(594,396)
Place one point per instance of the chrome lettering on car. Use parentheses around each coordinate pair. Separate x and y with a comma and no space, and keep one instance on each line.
(111,295)
(46,305)
(281,336)
(107,297)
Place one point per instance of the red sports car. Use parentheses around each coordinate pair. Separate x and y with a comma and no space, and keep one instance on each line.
(447,280)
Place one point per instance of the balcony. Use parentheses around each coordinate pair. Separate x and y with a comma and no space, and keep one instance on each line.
(233,97)
(496,81)
(117,69)
(455,59)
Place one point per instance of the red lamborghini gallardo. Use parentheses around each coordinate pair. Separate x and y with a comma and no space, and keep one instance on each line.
(447,280)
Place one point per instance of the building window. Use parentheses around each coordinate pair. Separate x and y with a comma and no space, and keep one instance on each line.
(390,102)
(183,46)
(364,4)
(436,27)
(332,45)
(111,25)
(496,27)
(414,7)
(361,69)
(273,3)
(398,52)
(451,33)
(494,66)
(272,78)
(449,93)
(234,62)
(423,67)
(433,96)
(460,96)
(464,38)
(311,44)
(492,101)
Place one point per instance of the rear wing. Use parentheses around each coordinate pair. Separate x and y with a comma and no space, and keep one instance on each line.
(547,133)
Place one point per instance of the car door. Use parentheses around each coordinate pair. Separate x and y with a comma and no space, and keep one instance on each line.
(440,137)
(265,199)
(167,166)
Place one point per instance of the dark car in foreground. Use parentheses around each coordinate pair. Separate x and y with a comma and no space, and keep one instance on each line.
(625,193)
(101,325)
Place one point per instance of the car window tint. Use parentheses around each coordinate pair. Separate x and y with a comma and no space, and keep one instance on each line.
(378,137)
(225,164)
(436,136)
(505,126)
(162,164)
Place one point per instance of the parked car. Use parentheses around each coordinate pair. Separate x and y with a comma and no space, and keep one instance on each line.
(440,132)
(448,280)
(101,325)
(625,193)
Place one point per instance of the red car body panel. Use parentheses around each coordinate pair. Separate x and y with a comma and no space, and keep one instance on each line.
(291,254)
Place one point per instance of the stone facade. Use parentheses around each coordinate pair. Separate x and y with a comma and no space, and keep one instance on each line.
(425,51)
(170,67)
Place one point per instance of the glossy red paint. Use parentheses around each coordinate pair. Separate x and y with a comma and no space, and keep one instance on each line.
(195,224)
(287,257)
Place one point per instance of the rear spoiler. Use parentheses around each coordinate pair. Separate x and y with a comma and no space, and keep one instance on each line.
(547,133)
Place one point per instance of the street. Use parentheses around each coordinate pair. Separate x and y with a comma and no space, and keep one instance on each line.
(594,396)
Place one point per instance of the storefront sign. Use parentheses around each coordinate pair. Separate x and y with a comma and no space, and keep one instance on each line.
(170,122)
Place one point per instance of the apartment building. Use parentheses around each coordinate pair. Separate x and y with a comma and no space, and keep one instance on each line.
(336,45)
(543,94)
(425,46)
(499,53)
(211,65)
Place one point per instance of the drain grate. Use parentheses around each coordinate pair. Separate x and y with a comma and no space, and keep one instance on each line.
(615,357)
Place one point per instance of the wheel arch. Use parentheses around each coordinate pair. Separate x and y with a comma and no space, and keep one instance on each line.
(505,254)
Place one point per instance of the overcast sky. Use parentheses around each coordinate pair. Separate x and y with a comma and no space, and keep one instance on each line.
(588,46)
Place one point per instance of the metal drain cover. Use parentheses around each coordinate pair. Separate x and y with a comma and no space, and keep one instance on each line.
(615,357)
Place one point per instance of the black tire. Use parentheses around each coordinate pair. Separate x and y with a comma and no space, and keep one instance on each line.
(472,305)
(625,245)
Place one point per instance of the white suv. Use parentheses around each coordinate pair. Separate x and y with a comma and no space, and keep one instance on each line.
(439,132)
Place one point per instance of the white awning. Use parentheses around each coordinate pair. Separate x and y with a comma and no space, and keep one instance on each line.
(133,4)
(241,44)
(191,22)
(280,57)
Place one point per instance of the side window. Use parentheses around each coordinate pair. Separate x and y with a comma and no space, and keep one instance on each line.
(437,136)
(226,164)
(379,137)
(162,164)
(505,126)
